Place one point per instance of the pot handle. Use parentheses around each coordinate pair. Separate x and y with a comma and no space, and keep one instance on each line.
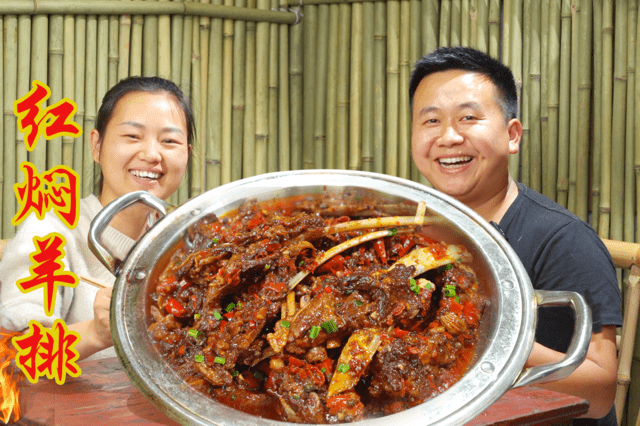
(104,217)
(579,342)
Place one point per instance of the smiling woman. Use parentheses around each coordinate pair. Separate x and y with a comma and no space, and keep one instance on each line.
(142,141)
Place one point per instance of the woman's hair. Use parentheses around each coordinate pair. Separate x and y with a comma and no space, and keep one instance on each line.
(143,84)
(468,59)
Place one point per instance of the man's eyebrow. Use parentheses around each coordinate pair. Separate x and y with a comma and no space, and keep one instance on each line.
(428,109)
(470,104)
(138,125)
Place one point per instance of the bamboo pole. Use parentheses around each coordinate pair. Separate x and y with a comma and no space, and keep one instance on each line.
(249,129)
(607,108)
(494,28)
(320,107)
(272,142)
(415,54)
(584,114)
(68,82)
(79,89)
(124,43)
(404,113)
(135,58)
(393,84)
(516,61)
(310,29)
(102,60)
(205,30)
(535,181)
(262,92)
(91,56)
(239,95)
(430,24)
(39,44)
(473,20)
(482,29)
(332,88)
(573,126)
(367,83)
(553,99)
(444,34)
(185,84)
(23,86)
(506,33)
(465,23)
(284,142)
(197,157)
(214,120)
(295,79)
(637,123)
(227,94)
(54,80)
(597,114)
(164,45)
(342,113)
(150,43)
(618,122)
(114,58)
(355,87)
(456,23)
(545,153)
(629,157)
(8,170)
(379,84)
(525,145)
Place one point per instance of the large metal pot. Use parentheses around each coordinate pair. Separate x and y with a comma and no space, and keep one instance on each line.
(507,329)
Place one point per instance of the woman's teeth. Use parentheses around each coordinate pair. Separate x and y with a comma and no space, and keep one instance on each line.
(454,161)
(147,175)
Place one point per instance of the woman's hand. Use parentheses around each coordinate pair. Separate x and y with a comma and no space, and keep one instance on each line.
(95,334)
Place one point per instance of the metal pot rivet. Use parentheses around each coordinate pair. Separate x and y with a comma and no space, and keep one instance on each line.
(141,275)
(195,212)
(487,367)
(508,284)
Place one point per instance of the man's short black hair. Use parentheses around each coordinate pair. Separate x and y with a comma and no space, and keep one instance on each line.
(468,59)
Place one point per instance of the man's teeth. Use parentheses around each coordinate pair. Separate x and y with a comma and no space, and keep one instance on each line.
(454,161)
(143,174)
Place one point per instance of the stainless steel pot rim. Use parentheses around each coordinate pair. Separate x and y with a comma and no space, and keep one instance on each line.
(495,371)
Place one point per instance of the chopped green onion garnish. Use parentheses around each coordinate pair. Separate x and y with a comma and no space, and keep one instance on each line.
(449,290)
(343,368)
(285,323)
(215,240)
(267,266)
(427,286)
(233,397)
(324,370)
(217,315)
(230,307)
(315,330)
(413,286)
(446,267)
(219,360)
(197,316)
(235,373)
(358,302)
(239,305)
(296,396)
(196,334)
(259,375)
(199,358)
(330,326)
(301,263)
(392,232)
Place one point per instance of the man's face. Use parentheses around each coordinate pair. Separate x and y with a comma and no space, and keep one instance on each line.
(461,141)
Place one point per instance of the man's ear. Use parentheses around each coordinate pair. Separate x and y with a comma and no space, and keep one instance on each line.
(95,145)
(514,127)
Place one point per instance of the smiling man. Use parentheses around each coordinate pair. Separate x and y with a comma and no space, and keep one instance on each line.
(464,128)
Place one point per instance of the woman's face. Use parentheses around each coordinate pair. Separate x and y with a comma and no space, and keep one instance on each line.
(144,146)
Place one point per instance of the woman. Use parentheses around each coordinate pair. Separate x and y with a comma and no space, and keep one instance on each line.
(142,141)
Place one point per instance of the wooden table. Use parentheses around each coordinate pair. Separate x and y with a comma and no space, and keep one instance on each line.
(103,394)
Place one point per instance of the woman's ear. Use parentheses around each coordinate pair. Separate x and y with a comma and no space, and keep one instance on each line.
(95,145)
(514,127)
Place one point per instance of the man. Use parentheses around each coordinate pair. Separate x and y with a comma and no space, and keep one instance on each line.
(465,127)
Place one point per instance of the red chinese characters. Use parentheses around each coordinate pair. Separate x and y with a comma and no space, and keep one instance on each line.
(54,121)
(47,271)
(48,352)
(40,194)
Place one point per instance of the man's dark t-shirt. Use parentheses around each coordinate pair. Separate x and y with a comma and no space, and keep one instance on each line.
(562,253)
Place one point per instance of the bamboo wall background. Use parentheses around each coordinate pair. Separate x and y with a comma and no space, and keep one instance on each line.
(292,84)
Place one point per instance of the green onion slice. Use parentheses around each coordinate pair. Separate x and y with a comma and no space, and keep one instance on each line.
(314,331)
(343,368)
(330,326)
(219,360)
